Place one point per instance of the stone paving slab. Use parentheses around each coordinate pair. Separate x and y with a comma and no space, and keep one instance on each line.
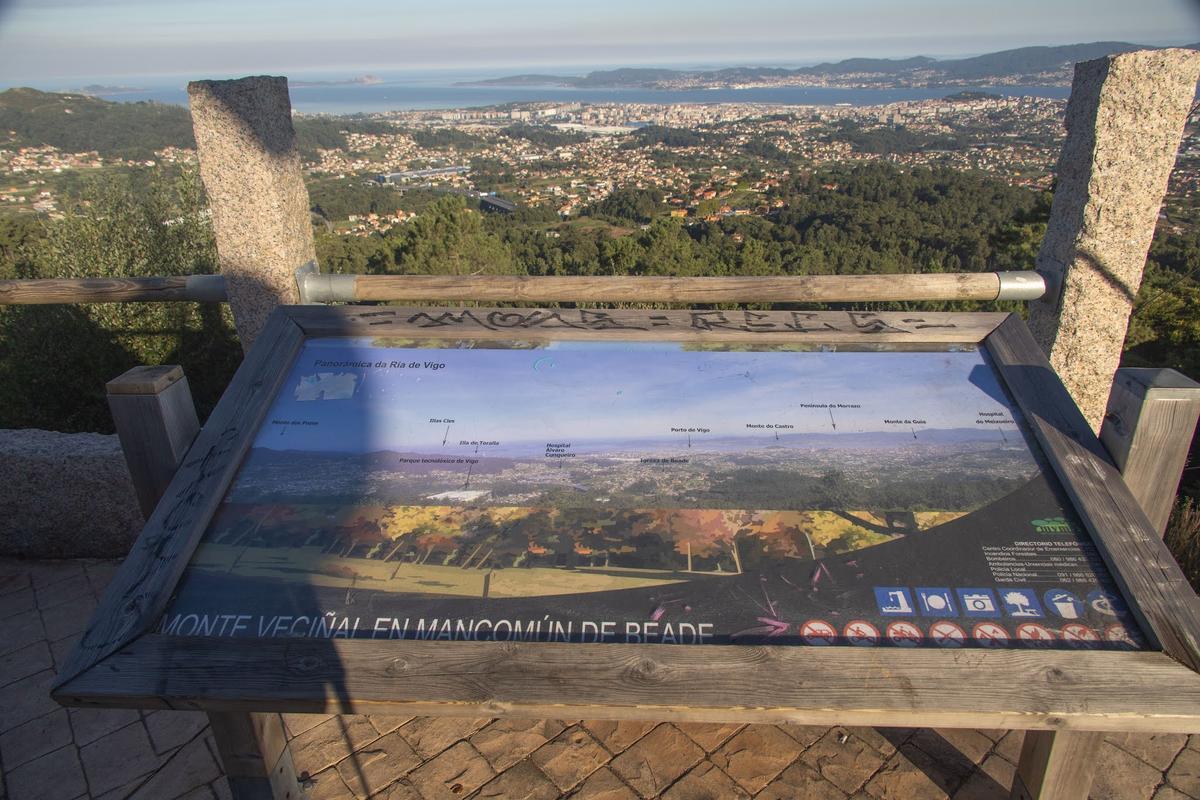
(51,753)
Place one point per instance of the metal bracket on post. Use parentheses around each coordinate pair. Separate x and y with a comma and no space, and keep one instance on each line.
(317,288)
(206,288)
(303,273)
(1052,279)
(1024,285)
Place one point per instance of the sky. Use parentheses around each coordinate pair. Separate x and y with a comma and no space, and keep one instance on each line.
(580,391)
(48,41)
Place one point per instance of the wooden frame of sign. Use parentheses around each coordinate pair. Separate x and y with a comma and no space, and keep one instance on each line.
(122,662)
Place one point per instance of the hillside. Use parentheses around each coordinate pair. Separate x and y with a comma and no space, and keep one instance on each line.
(1030,60)
(1000,67)
(79,123)
(884,65)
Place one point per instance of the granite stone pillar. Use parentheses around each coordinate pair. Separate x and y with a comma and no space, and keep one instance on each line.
(260,208)
(1124,122)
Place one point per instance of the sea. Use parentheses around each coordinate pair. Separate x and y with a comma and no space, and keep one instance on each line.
(425,91)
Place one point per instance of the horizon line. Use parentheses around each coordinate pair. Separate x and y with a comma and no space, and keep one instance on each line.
(540,442)
(517,68)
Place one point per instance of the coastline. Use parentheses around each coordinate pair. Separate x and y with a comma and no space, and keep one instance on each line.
(385,96)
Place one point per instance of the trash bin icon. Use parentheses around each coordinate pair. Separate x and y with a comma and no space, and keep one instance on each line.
(1064,603)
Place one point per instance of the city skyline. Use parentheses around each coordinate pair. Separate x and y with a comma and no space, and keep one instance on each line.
(43,42)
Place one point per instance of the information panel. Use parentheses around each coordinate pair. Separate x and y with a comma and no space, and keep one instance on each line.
(678,493)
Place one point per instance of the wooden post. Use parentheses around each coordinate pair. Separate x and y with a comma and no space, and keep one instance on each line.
(260,208)
(1124,123)
(1056,765)
(156,421)
(255,754)
(1148,429)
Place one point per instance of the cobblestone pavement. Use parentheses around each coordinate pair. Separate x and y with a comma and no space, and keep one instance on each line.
(51,753)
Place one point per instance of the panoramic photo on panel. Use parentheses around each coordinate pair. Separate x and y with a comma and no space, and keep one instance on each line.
(679,492)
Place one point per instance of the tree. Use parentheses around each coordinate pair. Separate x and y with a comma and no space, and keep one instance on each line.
(668,250)
(701,533)
(403,526)
(17,236)
(364,526)
(544,135)
(449,239)
(113,229)
(634,205)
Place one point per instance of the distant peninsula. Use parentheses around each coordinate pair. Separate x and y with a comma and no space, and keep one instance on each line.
(1040,66)
(361,80)
(99,89)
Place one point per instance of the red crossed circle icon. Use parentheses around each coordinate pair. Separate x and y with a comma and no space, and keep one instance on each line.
(861,633)
(989,634)
(1035,635)
(1078,635)
(947,634)
(904,634)
(1119,634)
(818,632)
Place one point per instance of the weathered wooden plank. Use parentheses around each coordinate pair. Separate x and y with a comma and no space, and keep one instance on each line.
(1057,765)
(141,588)
(818,327)
(1075,690)
(145,380)
(1147,430)
(655,289)
(156,421)
(44,291)
(1159,595)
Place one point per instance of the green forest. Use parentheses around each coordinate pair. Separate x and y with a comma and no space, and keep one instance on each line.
(875,219)
(80,123)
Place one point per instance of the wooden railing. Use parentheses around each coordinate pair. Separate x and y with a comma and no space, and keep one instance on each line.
(199,288)
(316,288)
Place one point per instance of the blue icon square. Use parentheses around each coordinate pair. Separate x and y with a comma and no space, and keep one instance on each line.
(1021,603)
(894,601)
(1063,603)
(978,603)
(936,602)
(1109,604)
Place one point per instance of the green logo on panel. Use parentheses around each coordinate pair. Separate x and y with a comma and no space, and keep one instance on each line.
(1051,525)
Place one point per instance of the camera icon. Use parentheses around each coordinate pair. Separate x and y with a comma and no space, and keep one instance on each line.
(978,603)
